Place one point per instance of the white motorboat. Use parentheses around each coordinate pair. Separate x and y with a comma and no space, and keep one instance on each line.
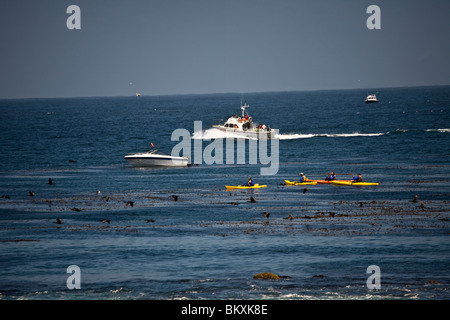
(244,126)
(153,159)
(371,98)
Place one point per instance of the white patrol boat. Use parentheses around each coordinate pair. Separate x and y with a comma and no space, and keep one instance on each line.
(244,126)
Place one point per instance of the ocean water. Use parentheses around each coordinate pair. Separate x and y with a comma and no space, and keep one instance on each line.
(211,242)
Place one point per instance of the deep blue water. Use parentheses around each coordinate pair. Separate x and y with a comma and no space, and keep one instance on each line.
(211,242)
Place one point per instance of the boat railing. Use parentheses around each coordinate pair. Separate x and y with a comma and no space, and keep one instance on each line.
(148,152)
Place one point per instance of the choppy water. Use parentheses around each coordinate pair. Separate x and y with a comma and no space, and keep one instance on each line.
(211,242)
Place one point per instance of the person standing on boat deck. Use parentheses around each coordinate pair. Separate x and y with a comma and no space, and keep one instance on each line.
(358,178)
(302,177)
(331,177)
(250,183)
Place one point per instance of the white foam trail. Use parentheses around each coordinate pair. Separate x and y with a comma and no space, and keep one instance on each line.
(214,133)
(356,134)
(293,136)
(330,135)
(439,130)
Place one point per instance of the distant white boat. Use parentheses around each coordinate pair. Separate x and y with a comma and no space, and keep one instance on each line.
(371,98)
(138,94)
(153,159)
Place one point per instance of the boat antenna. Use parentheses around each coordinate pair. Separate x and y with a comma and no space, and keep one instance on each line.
(243,110)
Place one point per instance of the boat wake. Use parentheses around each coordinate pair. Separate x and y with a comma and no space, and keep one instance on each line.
(329,135)
(439,130)
(219,134)
(347,135)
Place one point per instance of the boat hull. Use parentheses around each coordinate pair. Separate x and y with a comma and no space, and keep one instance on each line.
(251,133)
(142,160)
(256,186)
(298,183)
(342,183)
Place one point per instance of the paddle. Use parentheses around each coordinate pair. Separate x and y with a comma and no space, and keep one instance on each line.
(353,180)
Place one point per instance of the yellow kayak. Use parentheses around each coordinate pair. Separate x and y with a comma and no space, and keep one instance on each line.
(350,183)
(297,183)
(246,187)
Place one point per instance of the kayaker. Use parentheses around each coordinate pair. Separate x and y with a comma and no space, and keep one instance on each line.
(331,177)
(250,183)
(302,177)
(358,178)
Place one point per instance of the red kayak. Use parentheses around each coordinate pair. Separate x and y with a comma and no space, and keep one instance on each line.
(328,181)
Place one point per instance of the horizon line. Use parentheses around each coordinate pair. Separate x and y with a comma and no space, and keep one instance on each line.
(224,93)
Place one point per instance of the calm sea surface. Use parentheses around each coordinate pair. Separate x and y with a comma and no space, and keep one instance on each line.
(211,242)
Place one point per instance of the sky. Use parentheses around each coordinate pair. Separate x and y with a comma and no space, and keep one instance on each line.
(163,47)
